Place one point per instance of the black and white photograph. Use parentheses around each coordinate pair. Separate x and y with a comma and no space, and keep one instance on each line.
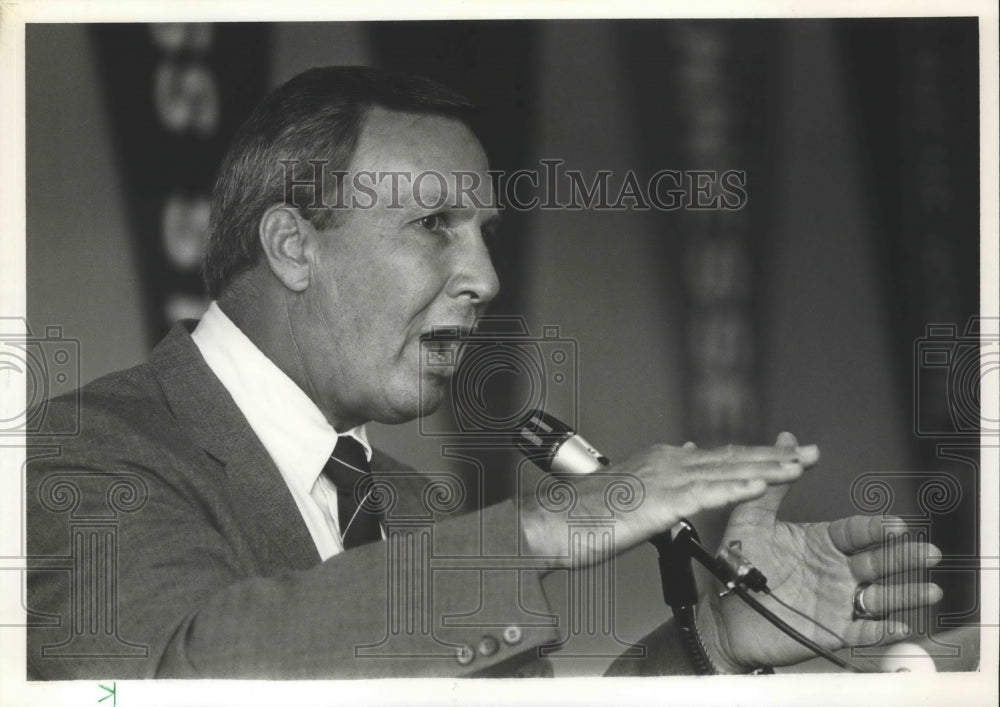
(350,357)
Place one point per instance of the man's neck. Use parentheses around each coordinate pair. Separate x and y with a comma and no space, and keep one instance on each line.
(262,315)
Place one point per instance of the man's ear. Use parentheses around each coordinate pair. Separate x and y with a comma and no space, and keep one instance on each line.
(286,238)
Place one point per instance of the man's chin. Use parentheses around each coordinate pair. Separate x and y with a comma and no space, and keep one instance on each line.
(410,407)
(432,393)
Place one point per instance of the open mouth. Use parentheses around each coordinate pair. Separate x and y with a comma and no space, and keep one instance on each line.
(440,346)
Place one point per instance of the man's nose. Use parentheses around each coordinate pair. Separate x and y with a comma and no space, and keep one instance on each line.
(473,276)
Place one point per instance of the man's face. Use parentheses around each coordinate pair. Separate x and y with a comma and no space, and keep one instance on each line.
(385,276)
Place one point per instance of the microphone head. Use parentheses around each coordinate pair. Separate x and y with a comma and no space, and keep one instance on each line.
(555,446)
(539,437)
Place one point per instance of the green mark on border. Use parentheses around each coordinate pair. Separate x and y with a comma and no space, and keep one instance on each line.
(111,693)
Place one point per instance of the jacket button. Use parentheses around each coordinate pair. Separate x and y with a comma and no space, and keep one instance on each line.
(512,635)
(464,655)
(488,646)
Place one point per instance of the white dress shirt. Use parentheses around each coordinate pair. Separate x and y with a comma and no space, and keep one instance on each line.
(292,429)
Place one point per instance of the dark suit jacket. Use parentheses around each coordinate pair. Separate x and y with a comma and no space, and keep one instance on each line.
(165,543)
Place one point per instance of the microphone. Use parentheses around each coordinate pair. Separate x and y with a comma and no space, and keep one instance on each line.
(555,447)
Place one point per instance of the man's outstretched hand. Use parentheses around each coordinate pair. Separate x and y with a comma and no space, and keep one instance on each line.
(664,484)
(816,568)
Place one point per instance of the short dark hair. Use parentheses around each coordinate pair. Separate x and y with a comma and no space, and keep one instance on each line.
(317,115)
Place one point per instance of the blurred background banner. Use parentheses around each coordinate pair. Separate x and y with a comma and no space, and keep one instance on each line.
(916,105)
(174,95)
(704,99)
(837,298)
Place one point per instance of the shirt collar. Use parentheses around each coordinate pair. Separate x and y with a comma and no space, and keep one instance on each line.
(288,423)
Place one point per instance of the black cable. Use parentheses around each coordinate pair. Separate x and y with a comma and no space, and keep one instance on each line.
(685,616)
(805,616)
(731,580)
(792,633)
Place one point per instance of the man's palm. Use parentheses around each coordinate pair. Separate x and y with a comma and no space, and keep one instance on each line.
(816,568)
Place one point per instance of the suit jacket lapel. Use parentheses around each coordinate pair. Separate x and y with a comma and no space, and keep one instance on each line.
(268,511)
(260,497)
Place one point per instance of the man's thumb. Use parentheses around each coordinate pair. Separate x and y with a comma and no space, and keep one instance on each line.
(766,507)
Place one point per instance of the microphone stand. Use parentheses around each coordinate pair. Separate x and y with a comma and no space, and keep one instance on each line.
(737,574)
(680,592)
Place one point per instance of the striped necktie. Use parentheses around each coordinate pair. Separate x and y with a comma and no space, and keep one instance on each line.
(348,469)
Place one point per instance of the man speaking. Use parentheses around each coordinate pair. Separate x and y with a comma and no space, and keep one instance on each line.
(252,546)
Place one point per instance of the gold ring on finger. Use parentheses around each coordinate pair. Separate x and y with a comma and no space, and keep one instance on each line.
(860,610)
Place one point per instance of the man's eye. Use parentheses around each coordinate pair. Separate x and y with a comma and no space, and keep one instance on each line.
(434,222)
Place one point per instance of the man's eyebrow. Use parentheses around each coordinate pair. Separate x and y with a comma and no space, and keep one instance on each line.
(431,197)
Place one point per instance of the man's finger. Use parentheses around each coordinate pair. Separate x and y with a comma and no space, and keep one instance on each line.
(884,599)
(850,535)
(807,455)
(706,495)
(771,471)
(787,439)
(892,558)
(868,633)
(762,511)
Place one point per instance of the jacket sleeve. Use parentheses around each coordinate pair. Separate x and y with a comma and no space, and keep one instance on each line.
(137,570)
